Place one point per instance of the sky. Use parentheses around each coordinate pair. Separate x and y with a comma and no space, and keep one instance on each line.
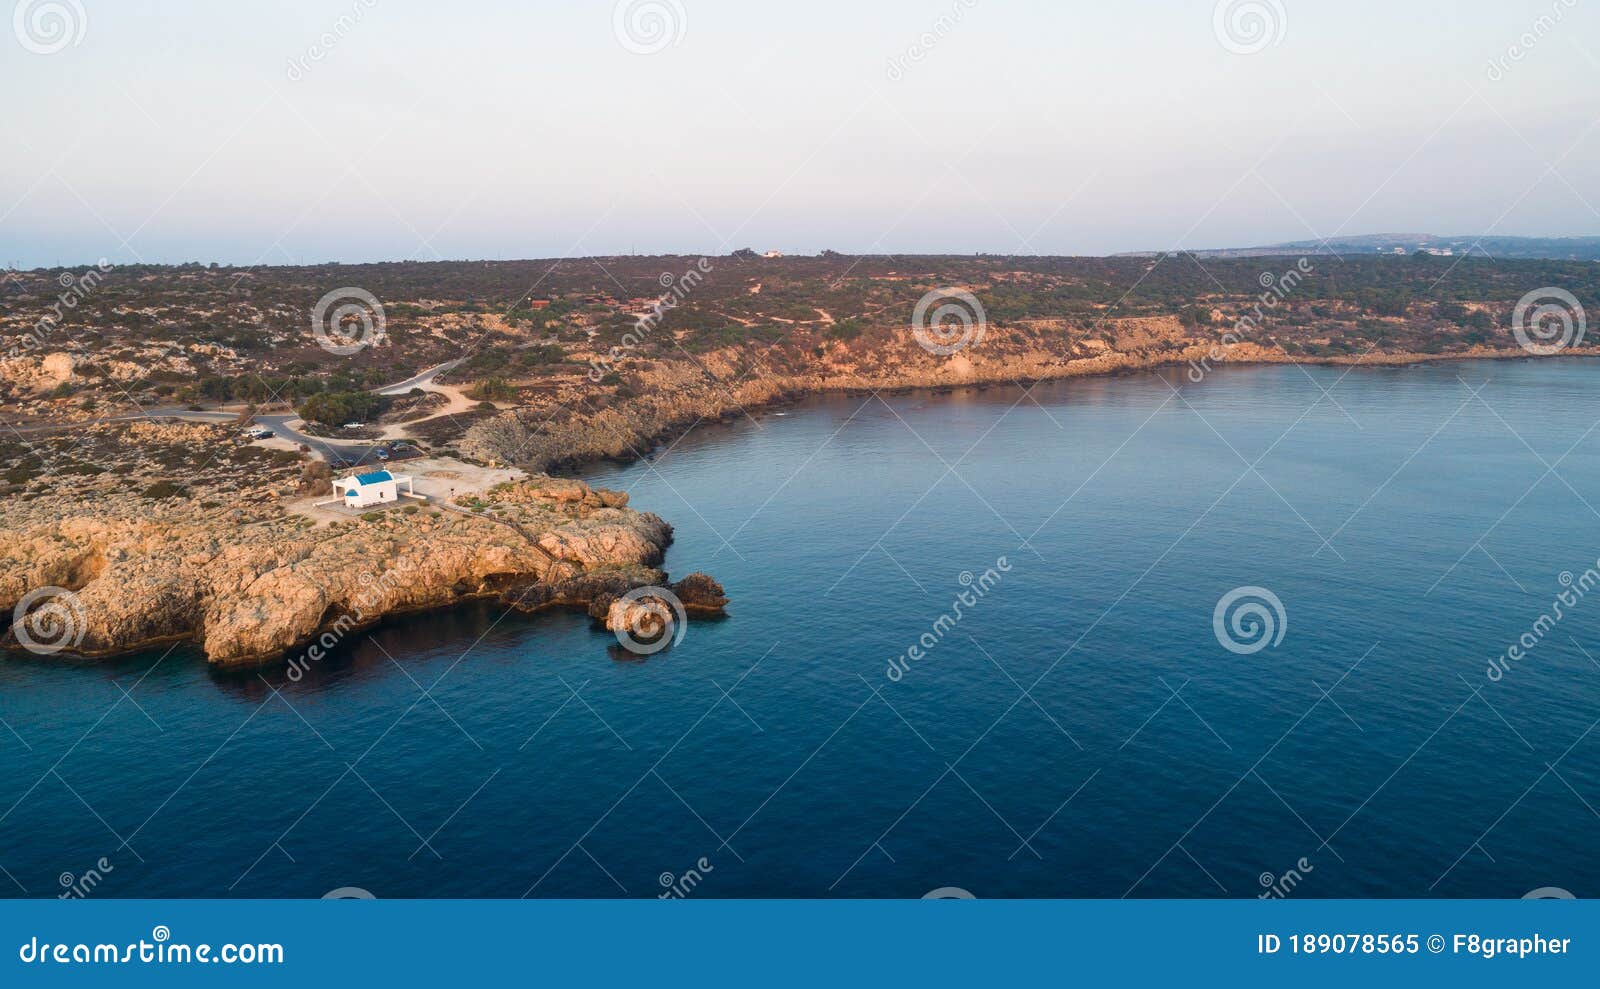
(305,131)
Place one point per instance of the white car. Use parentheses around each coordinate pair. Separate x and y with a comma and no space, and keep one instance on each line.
(354,425)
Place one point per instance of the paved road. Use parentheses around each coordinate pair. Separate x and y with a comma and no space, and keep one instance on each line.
(333,451)
(161,413)
(422,380)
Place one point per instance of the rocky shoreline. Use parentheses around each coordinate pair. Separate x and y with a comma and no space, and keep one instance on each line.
(255,584)
(104,571)
(625,434)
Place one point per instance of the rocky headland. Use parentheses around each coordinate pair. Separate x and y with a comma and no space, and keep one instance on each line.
(249,583)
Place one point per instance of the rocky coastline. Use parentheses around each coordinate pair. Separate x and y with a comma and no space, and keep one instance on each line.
(672,400)
(255,584)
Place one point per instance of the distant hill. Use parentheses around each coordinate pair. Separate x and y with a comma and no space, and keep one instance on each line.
(1525,248)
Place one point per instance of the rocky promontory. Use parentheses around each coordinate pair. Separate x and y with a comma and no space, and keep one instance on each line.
(249,581)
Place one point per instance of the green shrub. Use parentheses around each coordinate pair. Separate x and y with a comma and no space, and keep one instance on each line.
(845,329)
(492,389)
(338,408)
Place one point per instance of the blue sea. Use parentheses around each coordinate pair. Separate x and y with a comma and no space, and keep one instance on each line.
(974,647)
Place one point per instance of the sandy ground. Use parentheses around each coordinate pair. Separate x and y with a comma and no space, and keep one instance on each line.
(435,478)
(442,477)
(459,403)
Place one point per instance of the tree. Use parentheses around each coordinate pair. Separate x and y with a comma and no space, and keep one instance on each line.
(336,408)
(492,389)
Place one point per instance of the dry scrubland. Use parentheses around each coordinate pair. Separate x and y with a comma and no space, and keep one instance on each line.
(564,362)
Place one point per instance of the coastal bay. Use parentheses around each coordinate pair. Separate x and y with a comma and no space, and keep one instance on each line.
(1089,712)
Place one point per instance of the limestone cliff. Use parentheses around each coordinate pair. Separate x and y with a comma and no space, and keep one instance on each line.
(248,583)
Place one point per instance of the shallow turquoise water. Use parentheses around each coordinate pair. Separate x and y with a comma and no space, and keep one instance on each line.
(1079,731)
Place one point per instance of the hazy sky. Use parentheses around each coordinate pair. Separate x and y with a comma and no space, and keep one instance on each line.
(271,133)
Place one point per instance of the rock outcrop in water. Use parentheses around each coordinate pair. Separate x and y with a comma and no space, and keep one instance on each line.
(697,595)
(251,583)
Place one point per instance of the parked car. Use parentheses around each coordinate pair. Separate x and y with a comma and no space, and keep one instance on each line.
(354,425)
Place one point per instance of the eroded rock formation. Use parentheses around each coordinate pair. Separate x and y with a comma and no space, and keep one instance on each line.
(252,582)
